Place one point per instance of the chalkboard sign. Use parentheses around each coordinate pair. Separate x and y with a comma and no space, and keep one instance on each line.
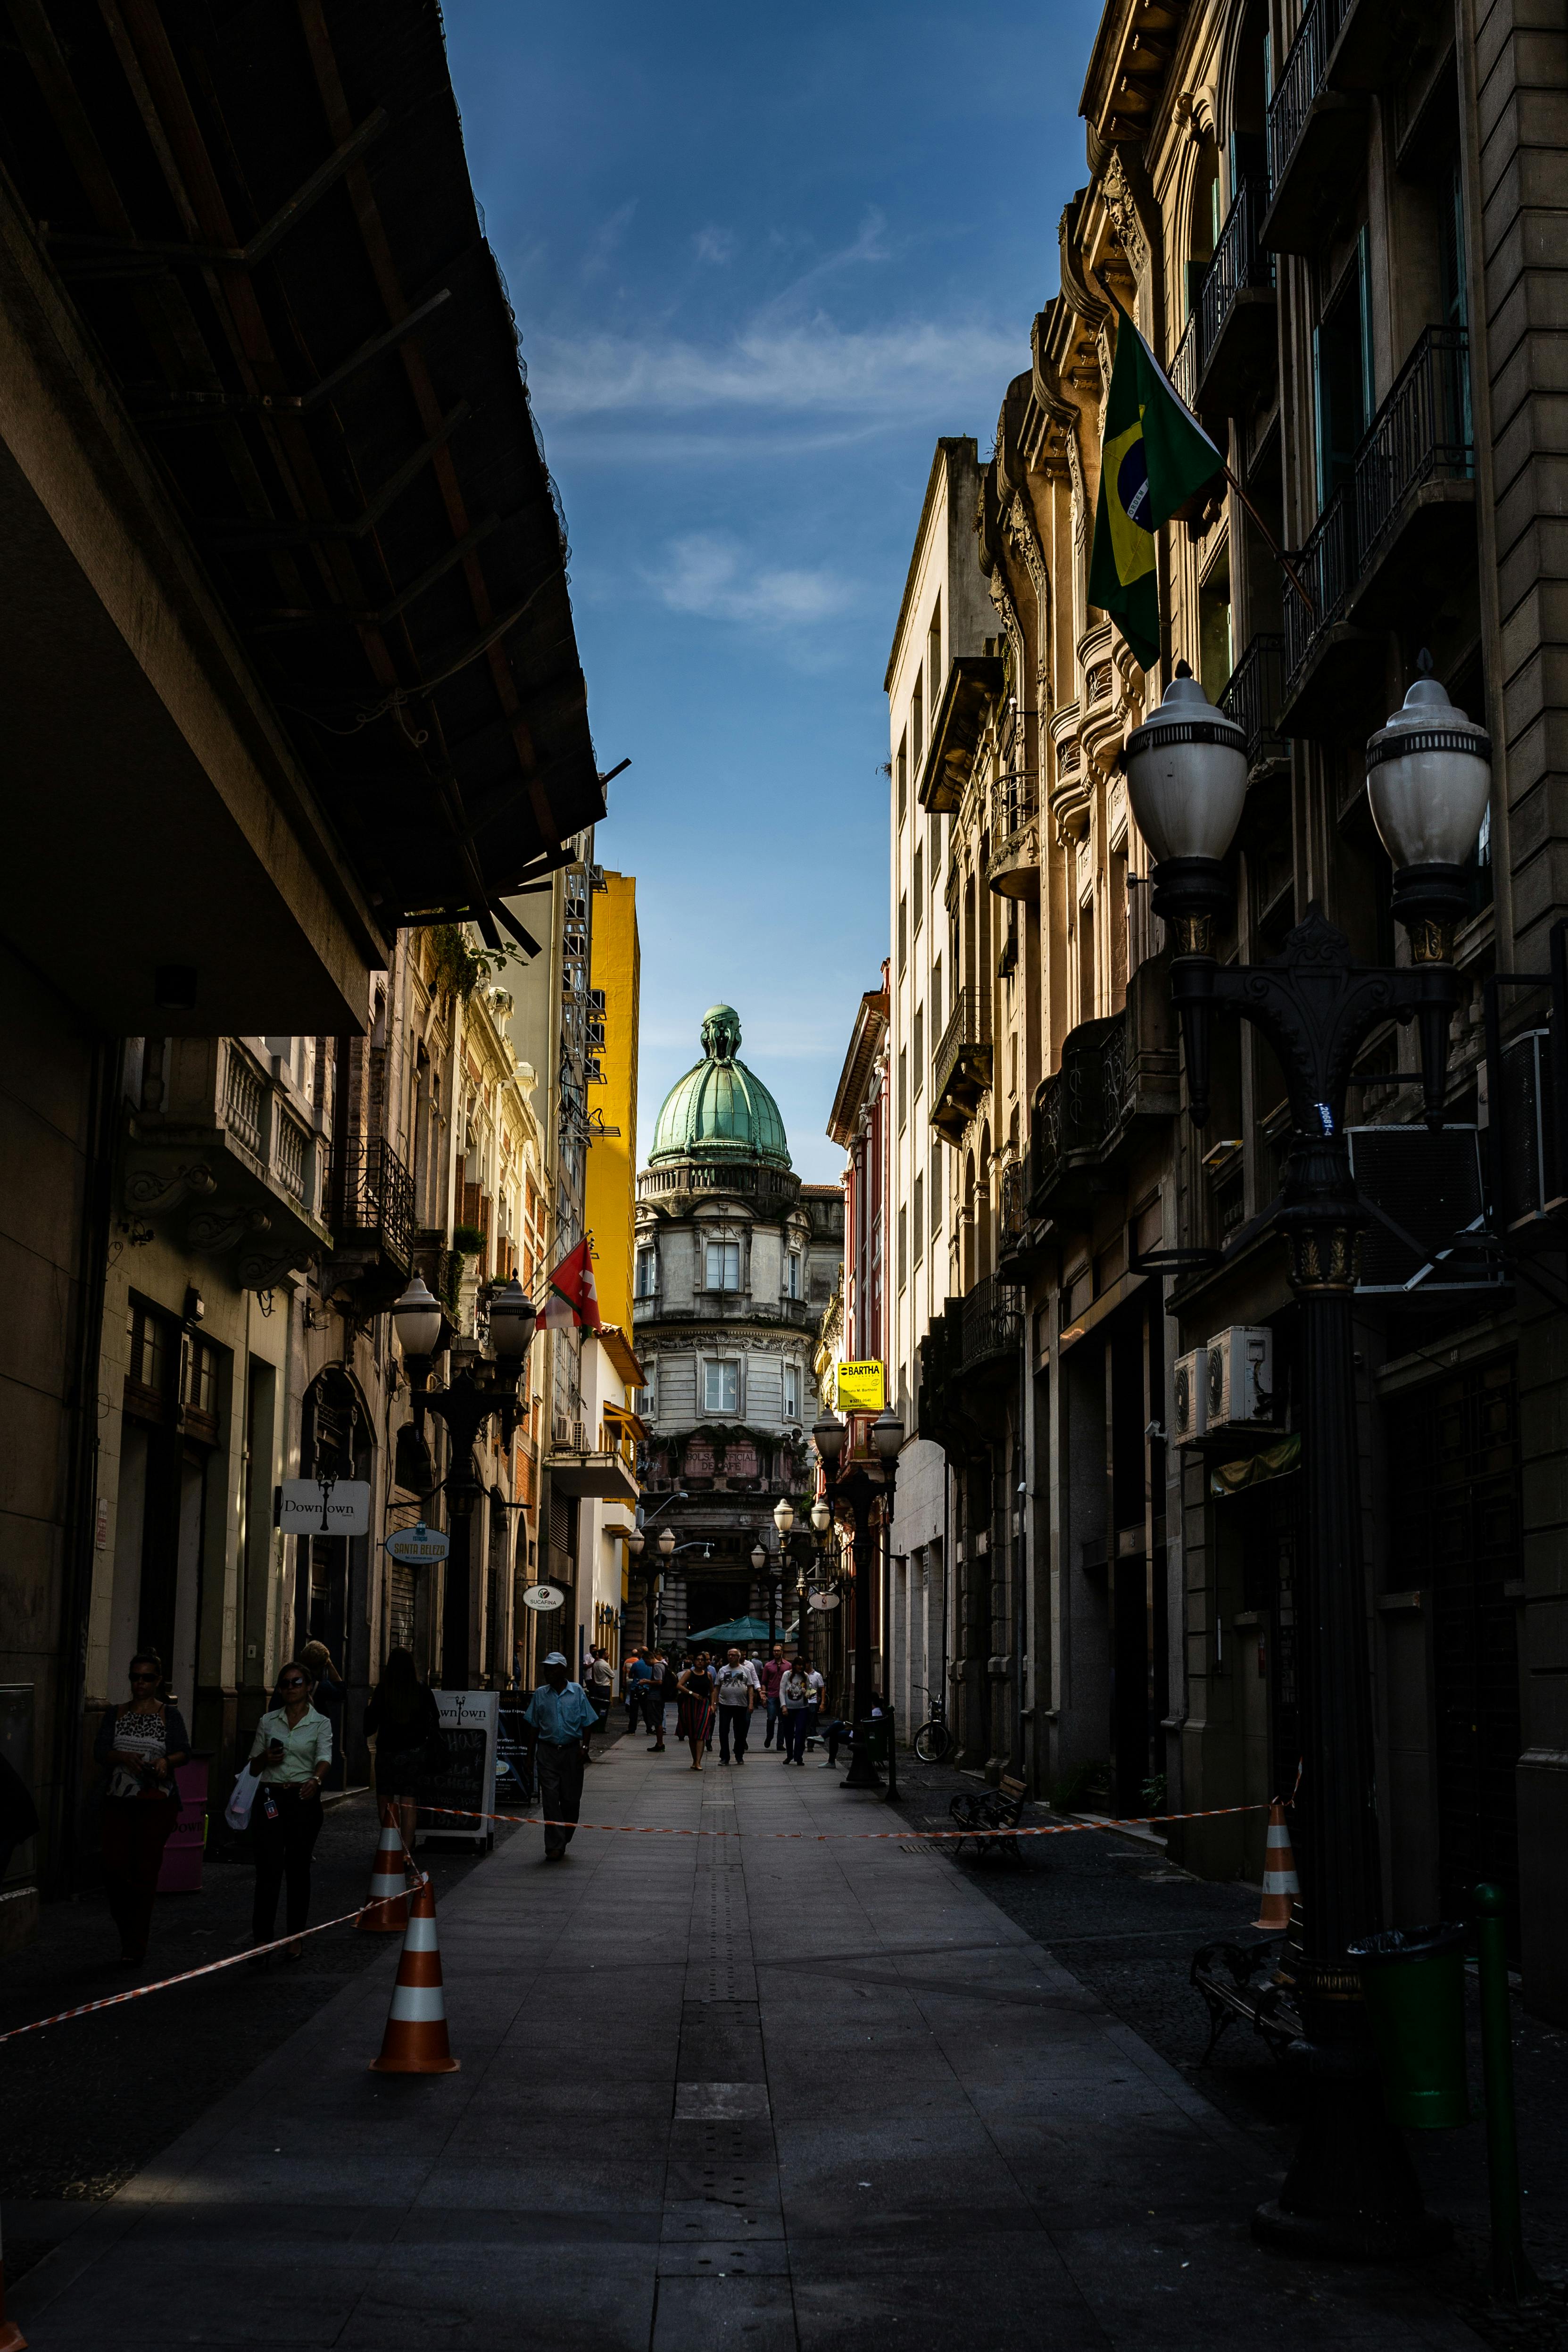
(514,1750)
(467,1778)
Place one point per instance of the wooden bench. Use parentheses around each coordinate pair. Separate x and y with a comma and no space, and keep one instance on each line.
(1228,1976)
(980,1817)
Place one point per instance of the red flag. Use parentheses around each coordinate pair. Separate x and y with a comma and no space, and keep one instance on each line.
(572,1297)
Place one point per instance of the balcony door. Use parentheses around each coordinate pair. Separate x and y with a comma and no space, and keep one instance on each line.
(1342,364)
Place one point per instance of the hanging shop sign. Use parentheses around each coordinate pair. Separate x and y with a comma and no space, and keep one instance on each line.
(861,1387)
(413,1545)
(543,1596)
(823,1599)
(323,1506)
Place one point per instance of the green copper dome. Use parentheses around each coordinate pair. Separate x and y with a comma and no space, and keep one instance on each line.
(720,1110)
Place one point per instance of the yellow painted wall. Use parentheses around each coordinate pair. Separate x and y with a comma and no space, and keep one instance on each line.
(612,1161)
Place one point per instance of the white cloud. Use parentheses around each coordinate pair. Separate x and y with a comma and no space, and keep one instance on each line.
(712,577)
(607,237)
(779,367)
(715,245)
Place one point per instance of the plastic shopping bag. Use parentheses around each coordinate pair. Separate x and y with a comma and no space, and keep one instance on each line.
(236,1812)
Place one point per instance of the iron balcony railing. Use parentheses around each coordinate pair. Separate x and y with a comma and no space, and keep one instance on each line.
(1013,1213)
(967,1026)
(992,1321)
(374,1198)
(1423,432)
(1254,694)
(1326,569)
(1184,363)
(1240,261)
(1300,79)
(1015,799)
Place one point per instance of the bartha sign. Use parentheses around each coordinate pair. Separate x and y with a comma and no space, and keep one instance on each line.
(861,1387)
(324,1507)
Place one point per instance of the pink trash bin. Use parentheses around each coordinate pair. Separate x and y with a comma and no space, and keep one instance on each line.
(181,1870)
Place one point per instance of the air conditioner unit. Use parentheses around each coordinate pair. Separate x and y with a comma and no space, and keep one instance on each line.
(1241,1378)
(1189,1380)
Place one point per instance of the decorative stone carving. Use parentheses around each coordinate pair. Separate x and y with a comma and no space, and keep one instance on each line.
(1123,211)
(150,1191)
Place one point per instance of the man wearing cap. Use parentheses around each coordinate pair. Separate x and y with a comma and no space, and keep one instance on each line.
(560,1715)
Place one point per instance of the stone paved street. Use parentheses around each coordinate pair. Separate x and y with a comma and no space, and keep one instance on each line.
(761,2091)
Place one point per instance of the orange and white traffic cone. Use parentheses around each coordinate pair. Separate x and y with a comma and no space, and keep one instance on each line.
(415,2040)
(386,1911)
(1279,1880)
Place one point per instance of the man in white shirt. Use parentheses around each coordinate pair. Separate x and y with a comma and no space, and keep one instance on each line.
(737,1689)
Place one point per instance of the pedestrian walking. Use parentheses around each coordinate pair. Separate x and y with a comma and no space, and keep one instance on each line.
(736,1693)
(600,1683)
(328,1693)
(815,1704)
(140,1745)
(291,1755)
(693,1720)
(637,1677)
(772,1676)
(406,1722)
(660,1684)
(795,1696)
(560,1716)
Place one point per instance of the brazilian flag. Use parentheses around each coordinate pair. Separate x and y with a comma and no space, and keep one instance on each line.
(1155,458)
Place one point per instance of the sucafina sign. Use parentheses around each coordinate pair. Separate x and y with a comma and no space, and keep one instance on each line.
(861,1387)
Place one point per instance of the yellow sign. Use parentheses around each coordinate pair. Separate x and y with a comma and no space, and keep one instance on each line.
(861,1388)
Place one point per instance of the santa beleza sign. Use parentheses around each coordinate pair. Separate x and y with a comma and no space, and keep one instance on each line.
(414,1545)
(324,1507)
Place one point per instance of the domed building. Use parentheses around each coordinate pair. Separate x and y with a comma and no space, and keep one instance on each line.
(736,1260)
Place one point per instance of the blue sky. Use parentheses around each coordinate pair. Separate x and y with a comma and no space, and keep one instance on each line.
(760,260)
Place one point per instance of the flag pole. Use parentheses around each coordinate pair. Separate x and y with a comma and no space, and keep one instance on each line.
(1272,544)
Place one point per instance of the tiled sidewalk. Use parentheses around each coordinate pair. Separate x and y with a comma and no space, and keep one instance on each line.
(714,2092)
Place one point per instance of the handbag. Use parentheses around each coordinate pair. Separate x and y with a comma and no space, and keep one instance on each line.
(236,1812)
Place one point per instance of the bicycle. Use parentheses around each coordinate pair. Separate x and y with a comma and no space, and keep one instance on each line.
(933,1739)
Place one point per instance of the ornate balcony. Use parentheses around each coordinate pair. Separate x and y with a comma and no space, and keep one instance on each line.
(1117,1081)
(226,1154)
(1013,871)
(961,1067)
(1236,312)
(1252,695)
(1183,363)
(373,1223)
(1317,116)
(1407,513)
(990,1328)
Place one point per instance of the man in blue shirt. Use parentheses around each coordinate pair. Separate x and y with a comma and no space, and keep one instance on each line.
(560,1715)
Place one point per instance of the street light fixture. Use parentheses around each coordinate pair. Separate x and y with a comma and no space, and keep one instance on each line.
(783,1515)
(822,1515)
(758,1559)
(634,1541)
(861,1494)
(513,1319)
(416,1320)
(666,1541)
(1351,2189)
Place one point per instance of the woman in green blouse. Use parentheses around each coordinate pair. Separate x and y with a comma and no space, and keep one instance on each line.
(292,1754)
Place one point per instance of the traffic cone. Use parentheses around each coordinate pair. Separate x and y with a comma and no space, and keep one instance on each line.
(415,2040)
(1279,1880)
(390,1917)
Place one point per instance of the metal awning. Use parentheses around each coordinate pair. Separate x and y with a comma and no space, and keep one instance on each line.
(265,218)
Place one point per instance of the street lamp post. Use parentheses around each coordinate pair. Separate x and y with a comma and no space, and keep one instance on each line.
(1351,2191)
(860,1495)
(475,1396)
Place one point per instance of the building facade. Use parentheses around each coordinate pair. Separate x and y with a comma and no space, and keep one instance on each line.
(1335,225)
(247,607)
(737,1262)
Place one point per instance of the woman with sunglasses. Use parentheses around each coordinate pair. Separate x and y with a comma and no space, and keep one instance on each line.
(138,1744)
(292,1755)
